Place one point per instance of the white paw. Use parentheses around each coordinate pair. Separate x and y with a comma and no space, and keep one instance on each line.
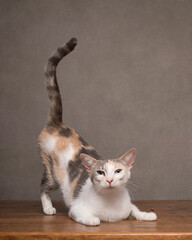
(91,221)
(50,211)
(144,216)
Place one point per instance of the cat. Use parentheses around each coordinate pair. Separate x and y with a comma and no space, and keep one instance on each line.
(93,189)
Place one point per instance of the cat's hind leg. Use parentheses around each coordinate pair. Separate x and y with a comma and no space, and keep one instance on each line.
(142,216)
(48,184)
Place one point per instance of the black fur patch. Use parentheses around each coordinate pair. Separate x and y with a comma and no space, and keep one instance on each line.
(83,141)
(91,153)
(63,51)
(52,126)
(72,43)
(52,172)
(77,169)
(52,89)
(50,73)
(47,184)
(54,60)
(44,179)
(74,169)
(65,132)
(84,176)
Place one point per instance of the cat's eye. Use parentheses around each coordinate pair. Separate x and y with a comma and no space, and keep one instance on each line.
(100,172)
(118,170)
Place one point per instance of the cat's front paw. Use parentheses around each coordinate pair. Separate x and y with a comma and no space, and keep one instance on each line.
(91,221)
(50,211)
(145,216)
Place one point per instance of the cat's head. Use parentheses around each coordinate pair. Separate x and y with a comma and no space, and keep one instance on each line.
(109,174)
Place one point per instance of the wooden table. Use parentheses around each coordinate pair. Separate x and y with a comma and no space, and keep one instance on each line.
(25,220)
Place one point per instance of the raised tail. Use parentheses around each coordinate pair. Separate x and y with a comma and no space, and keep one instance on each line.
(55,114)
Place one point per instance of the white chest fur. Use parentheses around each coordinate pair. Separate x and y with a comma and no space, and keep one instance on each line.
(110,208)
(114,208)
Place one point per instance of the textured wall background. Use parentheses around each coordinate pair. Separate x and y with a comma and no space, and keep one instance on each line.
(127,84)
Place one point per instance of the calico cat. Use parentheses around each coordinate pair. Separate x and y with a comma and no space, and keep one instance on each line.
(94,190)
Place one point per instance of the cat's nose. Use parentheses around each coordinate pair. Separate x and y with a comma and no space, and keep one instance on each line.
(110,181)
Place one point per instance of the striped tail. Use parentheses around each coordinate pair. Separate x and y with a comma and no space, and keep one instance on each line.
(55,114)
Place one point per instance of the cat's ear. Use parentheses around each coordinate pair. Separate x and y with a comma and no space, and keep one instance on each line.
(87,161)
(128,158)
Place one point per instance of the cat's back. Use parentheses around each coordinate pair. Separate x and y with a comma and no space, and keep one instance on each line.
(60,142)
(64,142)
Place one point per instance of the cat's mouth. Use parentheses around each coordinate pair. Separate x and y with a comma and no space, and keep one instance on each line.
(110,186)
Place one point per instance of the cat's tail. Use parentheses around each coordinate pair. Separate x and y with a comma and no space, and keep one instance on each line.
(55,114)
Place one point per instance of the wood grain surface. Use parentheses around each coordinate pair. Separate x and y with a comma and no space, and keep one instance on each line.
(25,220)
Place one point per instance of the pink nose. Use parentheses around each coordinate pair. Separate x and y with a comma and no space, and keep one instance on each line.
(110,181)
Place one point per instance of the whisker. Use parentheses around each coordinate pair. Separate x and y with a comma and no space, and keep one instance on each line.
(132,192)
(134,186)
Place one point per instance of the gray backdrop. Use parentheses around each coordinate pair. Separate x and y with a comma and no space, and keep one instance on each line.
(127,84)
